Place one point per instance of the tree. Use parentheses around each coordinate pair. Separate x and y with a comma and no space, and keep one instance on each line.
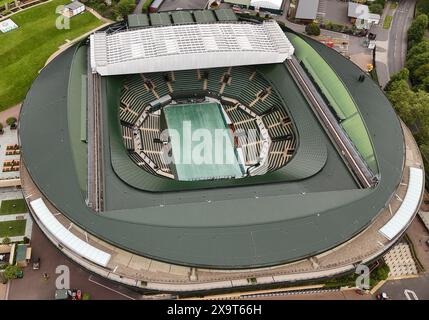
(414,62)
(400,95)
(420,48)
(11,271)
(376,8)
(420,73)
(312,29)
(11,121)
(403,74)
(417,30)
(125,7)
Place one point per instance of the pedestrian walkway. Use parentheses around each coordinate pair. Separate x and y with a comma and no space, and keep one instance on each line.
(400,261)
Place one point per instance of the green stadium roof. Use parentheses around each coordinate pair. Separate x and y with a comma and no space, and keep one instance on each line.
(182,17)
(160,19)
(138,20)
(225,15)
(204,16)
(241,227)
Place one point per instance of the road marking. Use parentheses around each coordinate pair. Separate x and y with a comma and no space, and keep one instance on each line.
(413,296)
(108,288)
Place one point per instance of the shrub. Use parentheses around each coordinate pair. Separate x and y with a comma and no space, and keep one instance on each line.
(11,271)
(11,121)
(146,5)
(6,240)
(126,7)
(312,29)
(376,8)
(86,296)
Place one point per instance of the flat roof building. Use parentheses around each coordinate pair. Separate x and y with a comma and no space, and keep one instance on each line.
(307,9)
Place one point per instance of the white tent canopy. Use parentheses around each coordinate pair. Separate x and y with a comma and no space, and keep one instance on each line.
(408,206)
(65,237)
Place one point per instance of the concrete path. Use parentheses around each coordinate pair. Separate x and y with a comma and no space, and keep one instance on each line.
(10,194)
(11,112)
(9,217)
(139,6)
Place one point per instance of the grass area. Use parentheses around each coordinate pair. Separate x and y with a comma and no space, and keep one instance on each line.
(387,22)
(13,206)
(2,2)
(146,5)
(24,51)
(12,228)
(380,273)
(393,5)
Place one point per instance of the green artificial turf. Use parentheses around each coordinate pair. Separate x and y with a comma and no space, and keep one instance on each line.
(24,51)
(7,206)
(12,228)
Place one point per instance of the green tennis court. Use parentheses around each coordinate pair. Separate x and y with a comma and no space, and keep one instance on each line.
(202,146)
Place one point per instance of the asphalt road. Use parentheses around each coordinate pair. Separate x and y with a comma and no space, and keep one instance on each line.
(34,287)
(407,289)
(397,49)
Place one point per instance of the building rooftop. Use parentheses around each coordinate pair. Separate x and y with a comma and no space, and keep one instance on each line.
(74,5)
(307,9)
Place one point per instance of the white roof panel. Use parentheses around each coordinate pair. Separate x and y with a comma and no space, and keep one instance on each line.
(408,206)
(191,46)
(67,238)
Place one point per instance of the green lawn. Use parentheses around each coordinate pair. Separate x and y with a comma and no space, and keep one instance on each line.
(24,51)
(12,228)
(2,2)
(7,206)
(393,5)
(387,22)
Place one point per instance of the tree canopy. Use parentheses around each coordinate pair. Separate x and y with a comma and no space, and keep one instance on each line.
(125,7)
(312,29)
(417,30)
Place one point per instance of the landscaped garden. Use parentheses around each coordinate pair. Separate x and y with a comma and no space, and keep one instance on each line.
(24,51)
(13,206)
(12,228)
(387,22)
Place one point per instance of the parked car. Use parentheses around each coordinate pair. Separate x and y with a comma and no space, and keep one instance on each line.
(36,264)
(68,294)
(382,296)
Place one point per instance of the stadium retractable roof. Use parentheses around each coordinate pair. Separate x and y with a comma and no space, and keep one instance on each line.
(191,46)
